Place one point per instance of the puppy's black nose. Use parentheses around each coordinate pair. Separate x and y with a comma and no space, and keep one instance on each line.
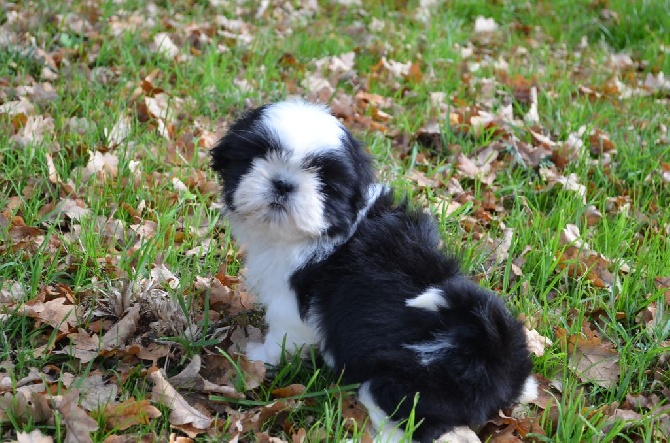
(282,186)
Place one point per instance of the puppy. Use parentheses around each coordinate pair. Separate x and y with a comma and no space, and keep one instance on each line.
(337,262)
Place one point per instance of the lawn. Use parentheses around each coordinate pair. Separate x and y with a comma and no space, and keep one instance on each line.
(536,132)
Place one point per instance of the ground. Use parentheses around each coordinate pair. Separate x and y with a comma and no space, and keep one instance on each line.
(536,132)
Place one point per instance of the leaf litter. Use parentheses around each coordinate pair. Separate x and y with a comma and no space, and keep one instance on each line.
(122,320)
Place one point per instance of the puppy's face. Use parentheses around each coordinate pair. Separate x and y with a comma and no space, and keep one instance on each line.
(292,171)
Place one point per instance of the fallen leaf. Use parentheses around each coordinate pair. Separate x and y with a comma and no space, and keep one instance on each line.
(190,378)
(580,261)
(25,406)
(162,275)
(121,416)
(181,412)
(485,25)
(593,360)
(35,436)
(95,393)
(220,370)
(593,215)
(73,209)
(54,313)
(78,424)
(536,342)
(164,45)
(354,413)
(101,165)
(122,330)
(289,391)
(119,132)
(570,183)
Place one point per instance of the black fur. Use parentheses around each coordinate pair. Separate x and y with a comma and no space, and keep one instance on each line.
(359,294)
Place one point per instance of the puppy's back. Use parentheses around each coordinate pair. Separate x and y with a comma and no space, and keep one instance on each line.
(394,312)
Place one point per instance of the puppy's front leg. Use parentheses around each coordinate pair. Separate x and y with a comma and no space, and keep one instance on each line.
(270,350)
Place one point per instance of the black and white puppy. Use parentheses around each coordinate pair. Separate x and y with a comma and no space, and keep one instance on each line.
(338,263)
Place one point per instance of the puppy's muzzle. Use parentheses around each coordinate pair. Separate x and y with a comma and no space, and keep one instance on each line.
(282,187)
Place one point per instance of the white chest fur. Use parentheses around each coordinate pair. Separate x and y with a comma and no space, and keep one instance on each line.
(269,265)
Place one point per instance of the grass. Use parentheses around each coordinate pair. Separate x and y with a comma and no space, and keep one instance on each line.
(102,72)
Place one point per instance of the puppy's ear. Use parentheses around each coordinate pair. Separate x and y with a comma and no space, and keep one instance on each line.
(362,160)
(218,159)
(242,141)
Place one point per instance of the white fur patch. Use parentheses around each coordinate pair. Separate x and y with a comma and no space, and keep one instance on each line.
(529,392)
(303,128)
(387,429)
(431,299)
(430,351)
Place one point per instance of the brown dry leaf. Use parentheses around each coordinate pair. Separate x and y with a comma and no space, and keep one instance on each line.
(163,276)
(318,87)
(11,292)
(289,391)
(665,172)
(581,261)
(174,438)
(54,313)
(600,142)
(85,346)
(593,215)
(422,180)
(35,436)
(164,45)
(588,264)
(353,412)
(119,132)
(153,352)
(478,168)
(241,337)
(569,150)
(124,329)
(78,424)
(73,209)
(35,129)
(190,378)
(131,412)
(414,75)
(511,429)
(250,421)
(592,359)
(96,393)
(536,342)
(485,25)
(234,300)
(25,406)
(221,371)
(395,68)
(570,183)
(276,411)
(131,438)
(101,165)
(531,155)
(663,283)
(181,412)
(545,398)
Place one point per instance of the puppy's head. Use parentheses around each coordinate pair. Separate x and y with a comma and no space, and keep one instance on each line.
(292,171)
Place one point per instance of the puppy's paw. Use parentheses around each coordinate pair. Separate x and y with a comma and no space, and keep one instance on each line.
(460,434)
